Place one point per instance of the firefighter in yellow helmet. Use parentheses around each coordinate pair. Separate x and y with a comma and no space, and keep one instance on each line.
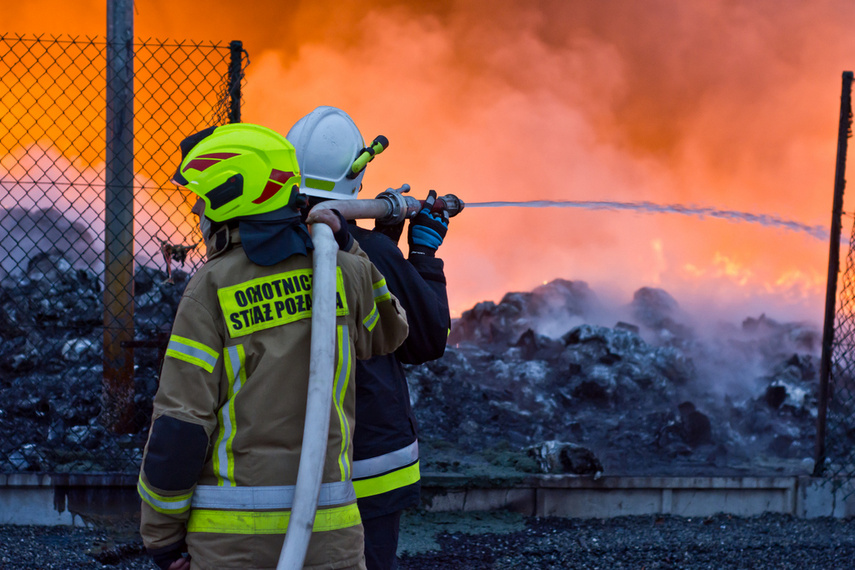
(218,472)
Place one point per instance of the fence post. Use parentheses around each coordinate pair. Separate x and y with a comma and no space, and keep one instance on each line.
(843,133)
(118,411)
(235,76)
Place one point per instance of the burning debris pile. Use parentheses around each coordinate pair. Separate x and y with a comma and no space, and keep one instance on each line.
(652,396)
(531,383)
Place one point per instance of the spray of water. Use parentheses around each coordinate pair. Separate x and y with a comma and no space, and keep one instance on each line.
(819,232)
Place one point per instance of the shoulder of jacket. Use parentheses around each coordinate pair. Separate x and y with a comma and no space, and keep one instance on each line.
(353,264)
(209,274)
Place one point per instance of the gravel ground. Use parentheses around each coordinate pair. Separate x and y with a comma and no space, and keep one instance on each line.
(506,540)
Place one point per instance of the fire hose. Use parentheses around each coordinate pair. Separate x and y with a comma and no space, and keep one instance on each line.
(390,207)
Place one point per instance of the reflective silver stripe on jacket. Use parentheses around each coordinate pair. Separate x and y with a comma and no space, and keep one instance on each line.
(163,504)
(342,379)
(381,291)
(223,457)
(192,351)
(261,498)
(386,462)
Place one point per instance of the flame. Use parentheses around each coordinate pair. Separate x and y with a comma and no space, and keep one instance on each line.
(731,105)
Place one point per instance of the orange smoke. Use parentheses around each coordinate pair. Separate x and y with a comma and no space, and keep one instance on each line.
(731,105)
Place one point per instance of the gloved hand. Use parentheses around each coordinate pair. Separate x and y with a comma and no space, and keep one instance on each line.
(392,231)
(342,235)
(171,557)
(428,228)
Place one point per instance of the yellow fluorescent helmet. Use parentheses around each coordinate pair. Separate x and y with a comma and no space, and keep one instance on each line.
(239,170)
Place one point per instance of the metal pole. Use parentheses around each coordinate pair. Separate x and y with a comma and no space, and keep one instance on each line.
(843,133)
(235,76)
(118,411)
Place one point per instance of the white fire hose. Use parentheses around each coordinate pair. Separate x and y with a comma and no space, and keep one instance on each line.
(389,206)
(318,402)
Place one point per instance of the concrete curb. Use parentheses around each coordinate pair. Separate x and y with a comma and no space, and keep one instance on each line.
(605,497)
(103,498)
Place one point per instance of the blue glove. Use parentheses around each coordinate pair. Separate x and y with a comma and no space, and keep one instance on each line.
(428,228)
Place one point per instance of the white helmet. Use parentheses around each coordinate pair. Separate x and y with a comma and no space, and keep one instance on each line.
(328,145)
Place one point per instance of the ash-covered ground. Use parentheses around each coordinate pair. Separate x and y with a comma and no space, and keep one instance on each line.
(501,540)
(529,384)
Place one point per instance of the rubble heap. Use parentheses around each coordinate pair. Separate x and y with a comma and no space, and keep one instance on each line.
(649,395)
(531,383)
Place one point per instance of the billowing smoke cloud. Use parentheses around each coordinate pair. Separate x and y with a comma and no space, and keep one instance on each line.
(731,106)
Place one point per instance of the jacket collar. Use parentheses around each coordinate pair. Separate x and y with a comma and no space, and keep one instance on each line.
(221,241)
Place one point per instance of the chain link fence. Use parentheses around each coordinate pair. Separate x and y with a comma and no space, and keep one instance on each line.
(65,404)
(840,415)
(839,440)
(836,411)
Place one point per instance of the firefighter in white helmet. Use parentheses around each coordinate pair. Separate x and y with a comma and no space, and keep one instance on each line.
(219,468)
(333,156)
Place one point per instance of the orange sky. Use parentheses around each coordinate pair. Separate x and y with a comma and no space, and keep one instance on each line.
(726,104)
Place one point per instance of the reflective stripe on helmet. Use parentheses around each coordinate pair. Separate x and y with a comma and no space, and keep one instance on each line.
(326,185)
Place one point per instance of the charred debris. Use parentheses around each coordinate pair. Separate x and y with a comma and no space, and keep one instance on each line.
(527,385)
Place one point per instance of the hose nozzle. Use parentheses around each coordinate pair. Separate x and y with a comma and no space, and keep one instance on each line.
(451,203)
(402,207)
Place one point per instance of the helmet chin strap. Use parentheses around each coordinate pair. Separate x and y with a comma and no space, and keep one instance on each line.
(205,225)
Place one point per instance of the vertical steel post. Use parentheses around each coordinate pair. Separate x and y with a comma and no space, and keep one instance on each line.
(235,77)
(117,412)
(843,133)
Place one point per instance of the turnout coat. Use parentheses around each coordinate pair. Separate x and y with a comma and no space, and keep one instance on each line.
(221,460)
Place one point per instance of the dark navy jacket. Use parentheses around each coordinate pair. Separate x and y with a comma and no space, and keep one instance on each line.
(384,417)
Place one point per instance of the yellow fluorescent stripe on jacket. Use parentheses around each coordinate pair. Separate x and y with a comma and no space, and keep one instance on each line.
(381,291)
(224,465)
(388,482)
(161,503)
(371,320)
(268,522)
(342,378)
(193,352)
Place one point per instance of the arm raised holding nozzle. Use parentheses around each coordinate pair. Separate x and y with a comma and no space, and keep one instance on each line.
(403,207)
